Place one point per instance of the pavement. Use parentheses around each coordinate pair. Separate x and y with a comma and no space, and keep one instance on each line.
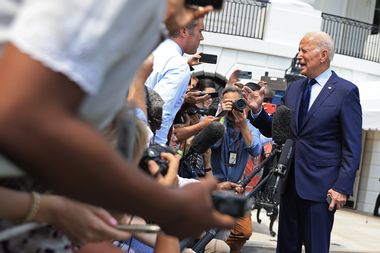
(353,232)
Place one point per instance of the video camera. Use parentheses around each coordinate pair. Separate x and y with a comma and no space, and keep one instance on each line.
(154,153)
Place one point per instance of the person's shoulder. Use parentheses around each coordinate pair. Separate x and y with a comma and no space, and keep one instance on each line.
(343,84)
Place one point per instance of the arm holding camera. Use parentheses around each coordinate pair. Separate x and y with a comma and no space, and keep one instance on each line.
(241,122)
(170,179)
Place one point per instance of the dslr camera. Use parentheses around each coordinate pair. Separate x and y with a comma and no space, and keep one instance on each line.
(239,105)
(154,153)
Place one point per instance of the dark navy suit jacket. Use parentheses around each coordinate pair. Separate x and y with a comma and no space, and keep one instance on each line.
(328,143)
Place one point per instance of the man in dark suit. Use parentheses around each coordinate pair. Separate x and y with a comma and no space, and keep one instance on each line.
(326,127)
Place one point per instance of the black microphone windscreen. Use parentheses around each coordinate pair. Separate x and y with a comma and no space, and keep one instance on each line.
(281,124)
(207,137)
(286,153)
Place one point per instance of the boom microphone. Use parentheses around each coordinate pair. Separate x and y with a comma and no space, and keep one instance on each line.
(281,125)
(207,137)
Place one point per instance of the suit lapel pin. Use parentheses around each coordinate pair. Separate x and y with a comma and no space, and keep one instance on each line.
(329,87)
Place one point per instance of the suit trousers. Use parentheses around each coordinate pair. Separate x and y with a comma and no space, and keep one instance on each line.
(303,222)
(241,232)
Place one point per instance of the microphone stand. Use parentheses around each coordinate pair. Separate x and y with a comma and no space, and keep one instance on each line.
(258,168)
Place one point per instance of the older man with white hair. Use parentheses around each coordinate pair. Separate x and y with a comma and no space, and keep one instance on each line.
(326,128)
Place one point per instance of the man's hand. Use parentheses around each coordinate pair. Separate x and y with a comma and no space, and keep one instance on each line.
(194,97)
(225,186)
(233,78)
(227,105)
(254,98)
(338,200)
(194,59)
(170,179)
(178,15)
(240,118)
(195,212)
(208,120)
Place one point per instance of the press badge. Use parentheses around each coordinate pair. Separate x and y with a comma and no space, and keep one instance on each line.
(232,158)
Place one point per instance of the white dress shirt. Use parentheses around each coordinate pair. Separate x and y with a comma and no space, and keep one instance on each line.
(316,88)
(170,77)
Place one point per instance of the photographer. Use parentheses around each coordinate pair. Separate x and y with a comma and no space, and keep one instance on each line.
(230,155)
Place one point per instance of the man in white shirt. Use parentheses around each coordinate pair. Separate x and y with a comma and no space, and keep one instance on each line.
(171,72)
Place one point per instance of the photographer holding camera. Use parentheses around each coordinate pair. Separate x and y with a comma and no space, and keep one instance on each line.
(230,155)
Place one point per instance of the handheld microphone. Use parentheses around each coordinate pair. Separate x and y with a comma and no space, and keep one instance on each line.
(281,125)
(207,137)
(192,164)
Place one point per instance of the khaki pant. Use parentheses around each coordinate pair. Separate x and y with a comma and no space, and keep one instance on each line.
(241,232)
(217,246)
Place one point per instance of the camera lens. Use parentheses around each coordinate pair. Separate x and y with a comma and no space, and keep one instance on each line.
(239,105)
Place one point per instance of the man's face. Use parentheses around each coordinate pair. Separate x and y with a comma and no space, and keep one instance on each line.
(194,37)
(231,96)
(309,57)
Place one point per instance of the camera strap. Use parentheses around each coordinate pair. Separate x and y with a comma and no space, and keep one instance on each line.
(232,153)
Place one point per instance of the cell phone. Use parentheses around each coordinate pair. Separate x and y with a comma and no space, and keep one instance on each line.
(213,94)
(208,58)
(139,228)
(244,74)
(230,203)
(217,4)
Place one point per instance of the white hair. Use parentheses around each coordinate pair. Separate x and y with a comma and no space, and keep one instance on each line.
(323,41)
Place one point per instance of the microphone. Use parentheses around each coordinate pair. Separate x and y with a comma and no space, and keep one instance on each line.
(191,164)
(274,183)
(207,137)
(285,157)
(281,125)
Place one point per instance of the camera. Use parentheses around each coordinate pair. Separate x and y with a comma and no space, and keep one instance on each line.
(230,203)
(239,105)
(193,109)
(154,153)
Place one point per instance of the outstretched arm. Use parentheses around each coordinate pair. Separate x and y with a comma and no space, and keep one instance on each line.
(41,132)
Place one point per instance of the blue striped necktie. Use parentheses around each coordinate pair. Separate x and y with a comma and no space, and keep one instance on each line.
(304,106)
